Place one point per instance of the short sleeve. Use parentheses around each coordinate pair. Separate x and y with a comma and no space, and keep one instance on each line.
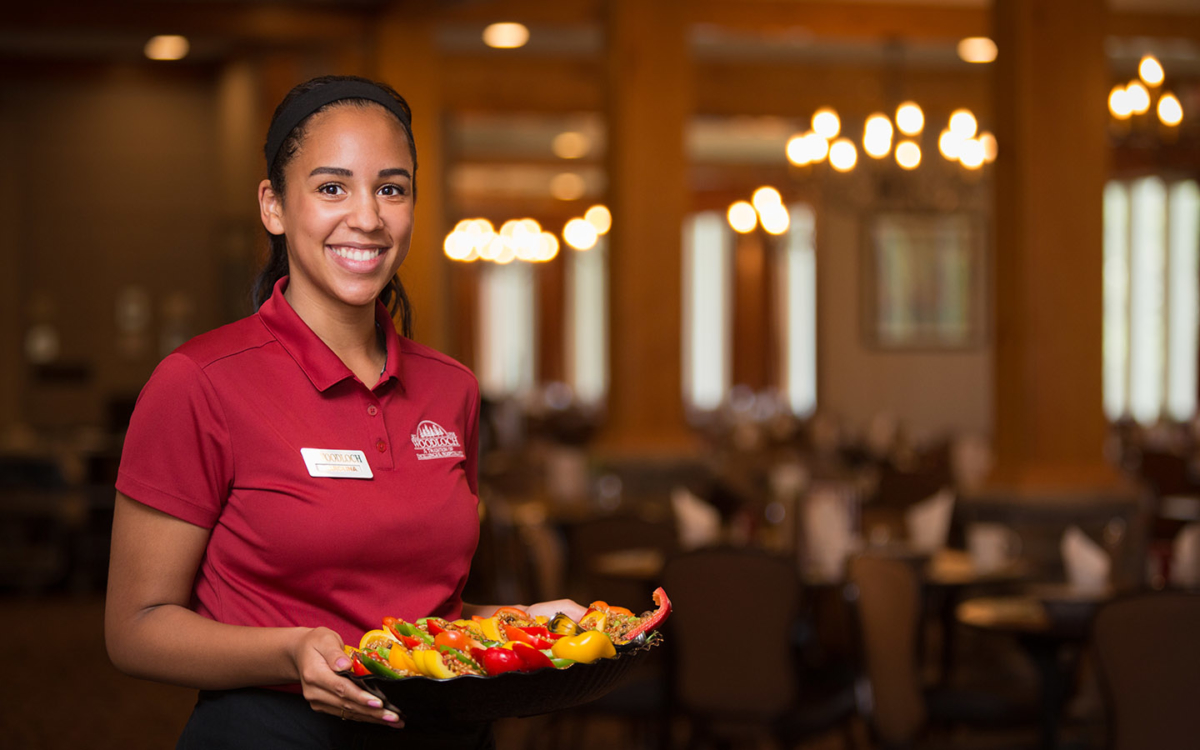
(177,457)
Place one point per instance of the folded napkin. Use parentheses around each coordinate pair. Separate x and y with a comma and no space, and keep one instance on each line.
(1086,563)
(928,522)
(828,530)
(1185,557)
(697,523)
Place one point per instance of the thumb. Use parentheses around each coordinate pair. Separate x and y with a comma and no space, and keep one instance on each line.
(330,647)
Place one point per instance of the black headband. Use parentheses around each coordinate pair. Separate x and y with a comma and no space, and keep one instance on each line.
(310,101)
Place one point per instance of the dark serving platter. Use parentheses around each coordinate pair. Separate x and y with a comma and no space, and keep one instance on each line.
(513,694)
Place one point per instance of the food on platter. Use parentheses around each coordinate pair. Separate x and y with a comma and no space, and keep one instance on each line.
(509,641)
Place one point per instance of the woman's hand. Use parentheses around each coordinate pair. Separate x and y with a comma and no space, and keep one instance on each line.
(318,655)
(569,607)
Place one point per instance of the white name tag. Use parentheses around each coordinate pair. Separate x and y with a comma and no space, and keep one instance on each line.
(326,462)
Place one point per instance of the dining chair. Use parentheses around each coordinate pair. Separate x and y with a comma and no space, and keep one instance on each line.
(901,710)
(725,596)
(1148,659)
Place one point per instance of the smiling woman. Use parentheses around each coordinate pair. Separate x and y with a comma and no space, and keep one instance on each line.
(265,456)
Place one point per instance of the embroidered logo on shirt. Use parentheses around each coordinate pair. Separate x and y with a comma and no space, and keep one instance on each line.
(431,440)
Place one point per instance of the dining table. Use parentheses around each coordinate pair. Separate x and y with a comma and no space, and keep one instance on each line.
(1052,624)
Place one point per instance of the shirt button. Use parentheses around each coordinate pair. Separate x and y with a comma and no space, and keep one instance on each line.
(372,410)
(381,446)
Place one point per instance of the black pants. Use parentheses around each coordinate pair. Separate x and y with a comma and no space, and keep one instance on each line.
(259,719)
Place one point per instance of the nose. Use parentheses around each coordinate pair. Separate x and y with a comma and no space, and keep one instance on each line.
(364,213)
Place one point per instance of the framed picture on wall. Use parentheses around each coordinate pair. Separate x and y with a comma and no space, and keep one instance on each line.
(924,280)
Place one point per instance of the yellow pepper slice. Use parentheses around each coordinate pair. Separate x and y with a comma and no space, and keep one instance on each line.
(584,648)
(431,665)
(400,658)
(491,630)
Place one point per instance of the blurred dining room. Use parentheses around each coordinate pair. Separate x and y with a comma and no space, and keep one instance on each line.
(869,330)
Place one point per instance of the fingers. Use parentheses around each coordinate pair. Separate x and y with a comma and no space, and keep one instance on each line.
(344,699)
(318,660)
(551,608)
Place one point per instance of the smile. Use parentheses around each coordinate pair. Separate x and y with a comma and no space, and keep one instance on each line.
(356,253)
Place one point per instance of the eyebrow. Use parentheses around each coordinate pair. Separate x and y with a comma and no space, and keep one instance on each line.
(343,172)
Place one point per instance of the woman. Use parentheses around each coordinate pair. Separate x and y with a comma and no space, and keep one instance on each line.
(289,479)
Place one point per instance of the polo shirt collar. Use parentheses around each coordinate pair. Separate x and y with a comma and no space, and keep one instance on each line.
(323,368)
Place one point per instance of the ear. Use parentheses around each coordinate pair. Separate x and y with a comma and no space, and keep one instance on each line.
(270,208)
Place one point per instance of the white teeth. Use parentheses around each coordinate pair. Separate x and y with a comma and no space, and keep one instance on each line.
(352,254)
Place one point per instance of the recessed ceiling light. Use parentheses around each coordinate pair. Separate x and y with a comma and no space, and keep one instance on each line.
(506,35)
(167,47)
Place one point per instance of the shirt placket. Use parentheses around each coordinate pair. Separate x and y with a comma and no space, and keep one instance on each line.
(378,437)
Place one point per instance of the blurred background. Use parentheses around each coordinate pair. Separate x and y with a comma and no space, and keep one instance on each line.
(825,312)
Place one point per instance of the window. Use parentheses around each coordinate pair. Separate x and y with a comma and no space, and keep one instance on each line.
(587,331)
(1151,306)
(798,283)
(507,329)
(707,260)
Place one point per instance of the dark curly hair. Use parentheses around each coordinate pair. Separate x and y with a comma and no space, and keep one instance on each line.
(276,267)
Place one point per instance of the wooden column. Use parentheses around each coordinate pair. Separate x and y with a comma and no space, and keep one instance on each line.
(1051,79)
(650,100)
(408,60)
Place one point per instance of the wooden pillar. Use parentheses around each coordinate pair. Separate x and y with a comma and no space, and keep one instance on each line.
(650,100)
(407,58)
(1051,79)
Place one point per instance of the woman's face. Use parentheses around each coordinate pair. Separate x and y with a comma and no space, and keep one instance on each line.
(347,211)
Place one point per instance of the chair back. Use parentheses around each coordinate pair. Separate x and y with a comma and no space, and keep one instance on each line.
(722,597)
(889,607)
(589,539)
(1148,656)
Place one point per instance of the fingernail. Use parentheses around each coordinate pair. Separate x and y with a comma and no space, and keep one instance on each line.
(389,716)
(375,703)
(342,663)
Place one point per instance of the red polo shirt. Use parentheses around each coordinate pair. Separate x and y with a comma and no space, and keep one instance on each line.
(215,440)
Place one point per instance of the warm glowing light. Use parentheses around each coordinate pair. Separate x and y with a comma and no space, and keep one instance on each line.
(825,121)
(950,144)
(775,219)
(1139,98)
(167,47)
(579,234)
(567,186)
(963,123)
(1118,103)
(549,247)
(491,249)
(571,145)
(842,155)
(1150,70)
(482,226)
(457,245)
(910,120)
(599,217)
(765,198)
(970,154)
(877,136)
(990,147)
(742,217)
(1170,111)
(816,147)
(796,152)
(505,35)
(908,155)
(507,254)
(977,49)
